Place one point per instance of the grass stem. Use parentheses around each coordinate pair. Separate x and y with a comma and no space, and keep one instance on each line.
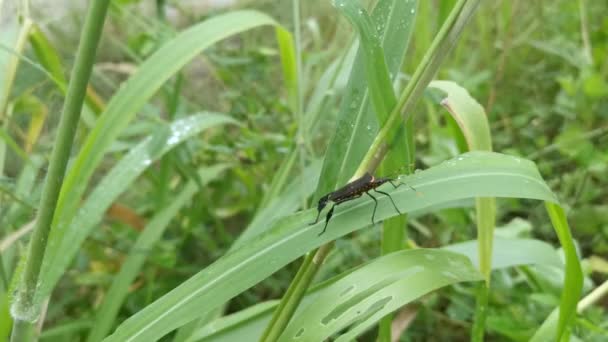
(24,309)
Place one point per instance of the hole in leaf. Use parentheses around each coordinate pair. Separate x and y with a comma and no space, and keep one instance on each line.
(349,303)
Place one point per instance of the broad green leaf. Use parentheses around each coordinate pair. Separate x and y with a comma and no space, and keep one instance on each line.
(357,124)
(106,314)
(473,174)
(131,97)
(62,248)
(360,299)
(507,253)
(511,252)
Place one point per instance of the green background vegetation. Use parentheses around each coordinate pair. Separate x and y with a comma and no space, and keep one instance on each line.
(206,138)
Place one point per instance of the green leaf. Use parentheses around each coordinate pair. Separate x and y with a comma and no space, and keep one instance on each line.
(289,65)
(470,175)
(361,298)
(107,312)
(507,253)
(573,284)
(473,123)
(468,113)
(65,243)
(511,252)
(377,74)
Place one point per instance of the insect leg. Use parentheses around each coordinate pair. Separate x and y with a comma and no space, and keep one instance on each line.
(375,206)
(400,184)
(327,217)
(317,219)
(389,197)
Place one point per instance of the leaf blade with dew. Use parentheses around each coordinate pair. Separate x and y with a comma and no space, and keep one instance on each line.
(62,248)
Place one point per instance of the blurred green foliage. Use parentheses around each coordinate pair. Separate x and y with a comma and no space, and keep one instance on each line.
(539,68)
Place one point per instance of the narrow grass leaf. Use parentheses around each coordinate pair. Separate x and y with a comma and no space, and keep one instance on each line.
(49,58)
(244,325)
(285,203)
(289,65)
(62,248)
(470,175)
(573,284)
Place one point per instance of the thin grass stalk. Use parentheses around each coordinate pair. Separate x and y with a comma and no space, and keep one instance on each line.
(481,310)
(24,309)
(441,44)
(294,294)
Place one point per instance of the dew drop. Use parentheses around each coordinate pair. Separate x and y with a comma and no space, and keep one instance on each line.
(449,274)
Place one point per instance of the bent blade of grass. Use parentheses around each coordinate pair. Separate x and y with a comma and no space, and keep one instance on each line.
(61,252)
(360,299)
(468,113)
(473,123)
(132,96)
(107,312)
(473,174)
